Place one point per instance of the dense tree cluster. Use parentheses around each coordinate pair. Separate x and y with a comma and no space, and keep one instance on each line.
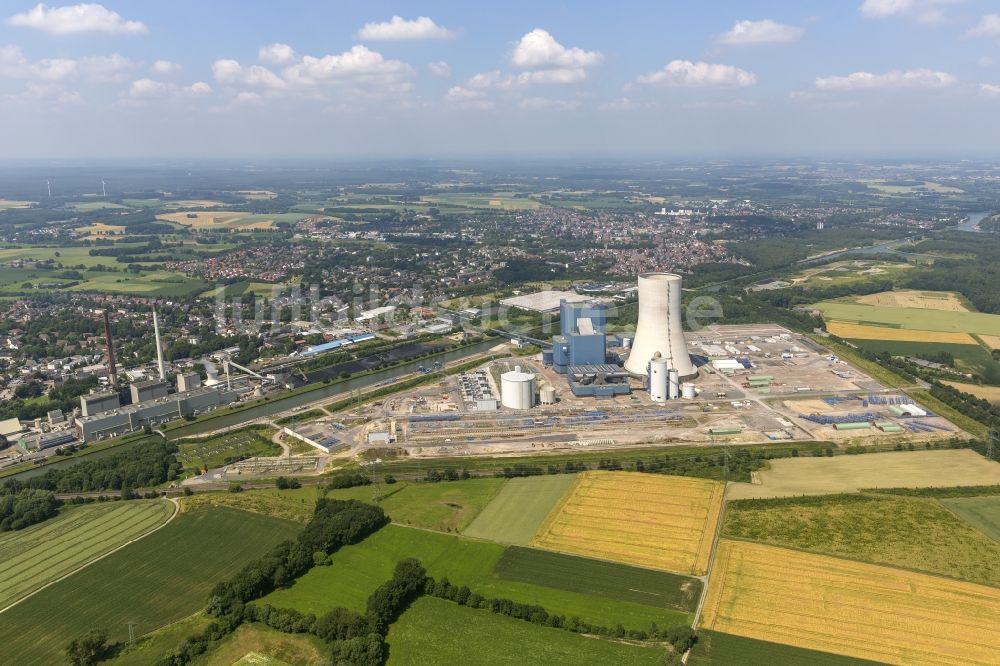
(148,463)
(24,507)
(979,409)
(970,266)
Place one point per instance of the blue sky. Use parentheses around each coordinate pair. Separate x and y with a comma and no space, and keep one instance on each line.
(263,78)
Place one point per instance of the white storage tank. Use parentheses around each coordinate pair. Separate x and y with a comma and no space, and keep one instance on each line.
(547,394)
(659,372)
(687,390)
(627,342)
(674,385)
(517,389)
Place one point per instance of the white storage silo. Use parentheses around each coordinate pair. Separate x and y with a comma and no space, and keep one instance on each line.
(547,394)
(517,389)
(687,390)
(659,327)
(658,378)
(674,384)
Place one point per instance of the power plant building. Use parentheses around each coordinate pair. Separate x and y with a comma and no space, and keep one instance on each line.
(659,330)
(148,390)
(95,403)
(188,381)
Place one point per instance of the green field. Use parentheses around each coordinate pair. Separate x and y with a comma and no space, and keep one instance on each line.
(718,649)
(599,578)
(436,631)
(968,358)
(909,532)
(39,554)
(912,318)
(86,206)
(212,452)
(520,508)
(256,644)
(357,570)
(982,512)
(448,506)
(491,200)
(152,647)
(153,582)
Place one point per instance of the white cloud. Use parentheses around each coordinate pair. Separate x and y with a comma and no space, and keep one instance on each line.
(687,74)
(492,79)
(358,63)
(277,54)
(912,78)
(765,31)
(627,104)
(440,69)
(398,28)
(547,104)
(151,89)
(984,61)
(97,69)
(466,98)
(165,67)
(924,11)
(247,97)
(75,19)
(557,76)
(46,92)
(988,26)
(989,89)
(229,71)
(540,49)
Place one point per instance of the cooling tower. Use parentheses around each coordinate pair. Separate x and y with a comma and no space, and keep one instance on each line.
(659,327)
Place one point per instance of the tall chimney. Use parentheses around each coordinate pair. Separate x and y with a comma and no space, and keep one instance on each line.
(159,346)
(112,371)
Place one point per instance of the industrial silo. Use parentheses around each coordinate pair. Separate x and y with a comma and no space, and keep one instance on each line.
(547,394)
(659,373)
(659,327)
(517,389)
(674,384)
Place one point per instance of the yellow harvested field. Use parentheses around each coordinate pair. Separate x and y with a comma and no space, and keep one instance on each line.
(193,203)
(912,298)
(660,522)
(201,219)
(851,608)
(992,341)
(861,332)
(101,229)
(991,393)
(12,203)
(847,474)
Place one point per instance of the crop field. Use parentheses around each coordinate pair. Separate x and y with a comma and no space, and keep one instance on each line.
(519,509)
(358,569)
(191,203)
(6,204)
(39,554)
(99,229)
(920,319)
(152,647)
(280,504)
(909,532)
(982,512)
(660,522)
(852,608)
(991,393)
(848,474)
(948,301)
(437,631)
(498,200)
(86,206)
(599,578)
(153,582)
(851,331)
(991,341)
(717,649)
(447,506)
(212,452)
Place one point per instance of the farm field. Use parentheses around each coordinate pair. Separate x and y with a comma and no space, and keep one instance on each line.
(947,301)
(85,206)
(599,578)
(228,220)
(153,582)
(991,393)
(445,506)
(283,504)
(852,331)
(847,474)
(212,452)
(910,532)
(358,569)
(982,512)
(519,509)
(717,649)
(498,200)
(852,608)
(437,631)
(269,647)
(852,271)
(39,554)
(6,204)
(154,646)
(920,319)
(661,522)
(991,341)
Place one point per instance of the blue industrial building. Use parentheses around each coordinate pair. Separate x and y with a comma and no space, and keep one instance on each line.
(337,344)
(580,351)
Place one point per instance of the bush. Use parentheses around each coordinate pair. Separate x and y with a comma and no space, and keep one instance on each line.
(91,648)
(287,483)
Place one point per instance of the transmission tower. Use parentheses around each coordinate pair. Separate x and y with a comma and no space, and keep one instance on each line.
(131,632)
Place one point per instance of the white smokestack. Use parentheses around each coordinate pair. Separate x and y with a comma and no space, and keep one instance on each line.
(659,328)
(159,347)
